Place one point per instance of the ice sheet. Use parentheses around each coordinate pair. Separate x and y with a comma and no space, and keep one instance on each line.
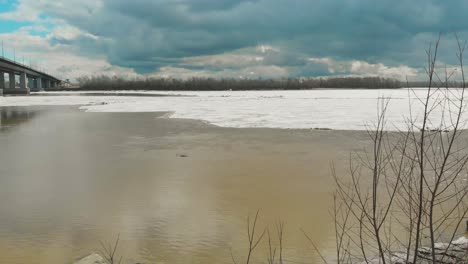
(328,108)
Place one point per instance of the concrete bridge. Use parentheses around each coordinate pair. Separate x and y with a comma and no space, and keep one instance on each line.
(28,79)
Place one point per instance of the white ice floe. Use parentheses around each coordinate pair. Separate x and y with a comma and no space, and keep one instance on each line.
(334,109)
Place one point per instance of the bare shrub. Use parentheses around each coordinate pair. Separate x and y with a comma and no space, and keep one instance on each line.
(252,239)
(109,251)
(408,193)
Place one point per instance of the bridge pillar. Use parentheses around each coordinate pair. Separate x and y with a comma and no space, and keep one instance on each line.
(23,81)
(39,83)
(47,84)
(30,83)
(23,89)
(2,82)
(12,81)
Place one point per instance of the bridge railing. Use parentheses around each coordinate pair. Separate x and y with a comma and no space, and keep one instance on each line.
(10,54)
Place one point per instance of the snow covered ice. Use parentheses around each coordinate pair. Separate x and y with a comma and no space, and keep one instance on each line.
(339,109)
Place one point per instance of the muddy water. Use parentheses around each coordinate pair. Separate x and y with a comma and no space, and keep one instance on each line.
(177,191)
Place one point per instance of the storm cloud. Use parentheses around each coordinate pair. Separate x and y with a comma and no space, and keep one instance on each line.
(219,35)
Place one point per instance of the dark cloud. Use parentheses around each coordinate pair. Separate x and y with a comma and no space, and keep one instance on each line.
(148,34)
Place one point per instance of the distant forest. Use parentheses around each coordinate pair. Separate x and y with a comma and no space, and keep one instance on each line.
(209,84)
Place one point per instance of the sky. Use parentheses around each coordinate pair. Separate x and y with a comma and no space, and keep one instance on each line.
(231,38)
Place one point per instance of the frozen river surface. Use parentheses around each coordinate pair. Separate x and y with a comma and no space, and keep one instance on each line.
(308,109)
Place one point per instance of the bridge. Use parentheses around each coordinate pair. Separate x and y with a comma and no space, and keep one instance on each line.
(22,79)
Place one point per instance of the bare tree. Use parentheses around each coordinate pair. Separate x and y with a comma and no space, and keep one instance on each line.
(411,182)
(212,84)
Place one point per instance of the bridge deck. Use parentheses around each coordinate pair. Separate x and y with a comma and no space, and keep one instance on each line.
(8,66)
(30,78)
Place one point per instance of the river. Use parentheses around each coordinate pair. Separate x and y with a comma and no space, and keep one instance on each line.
(176,174)
(177,191)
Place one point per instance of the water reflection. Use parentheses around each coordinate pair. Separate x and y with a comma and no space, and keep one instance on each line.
(13,116)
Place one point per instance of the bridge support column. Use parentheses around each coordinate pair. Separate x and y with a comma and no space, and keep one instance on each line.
(12,81)
(23,81)
(47,84)
(39,83)
(23,89)
(2,82)
(30,83)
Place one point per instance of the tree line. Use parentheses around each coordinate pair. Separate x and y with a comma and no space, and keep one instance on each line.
(212,84)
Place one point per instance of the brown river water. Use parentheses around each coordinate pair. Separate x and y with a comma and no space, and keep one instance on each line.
(177,191)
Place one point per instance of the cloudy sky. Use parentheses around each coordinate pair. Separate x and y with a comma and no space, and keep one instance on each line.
(230,38)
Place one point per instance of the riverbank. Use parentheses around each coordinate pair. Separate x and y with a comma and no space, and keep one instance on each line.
(455,252)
